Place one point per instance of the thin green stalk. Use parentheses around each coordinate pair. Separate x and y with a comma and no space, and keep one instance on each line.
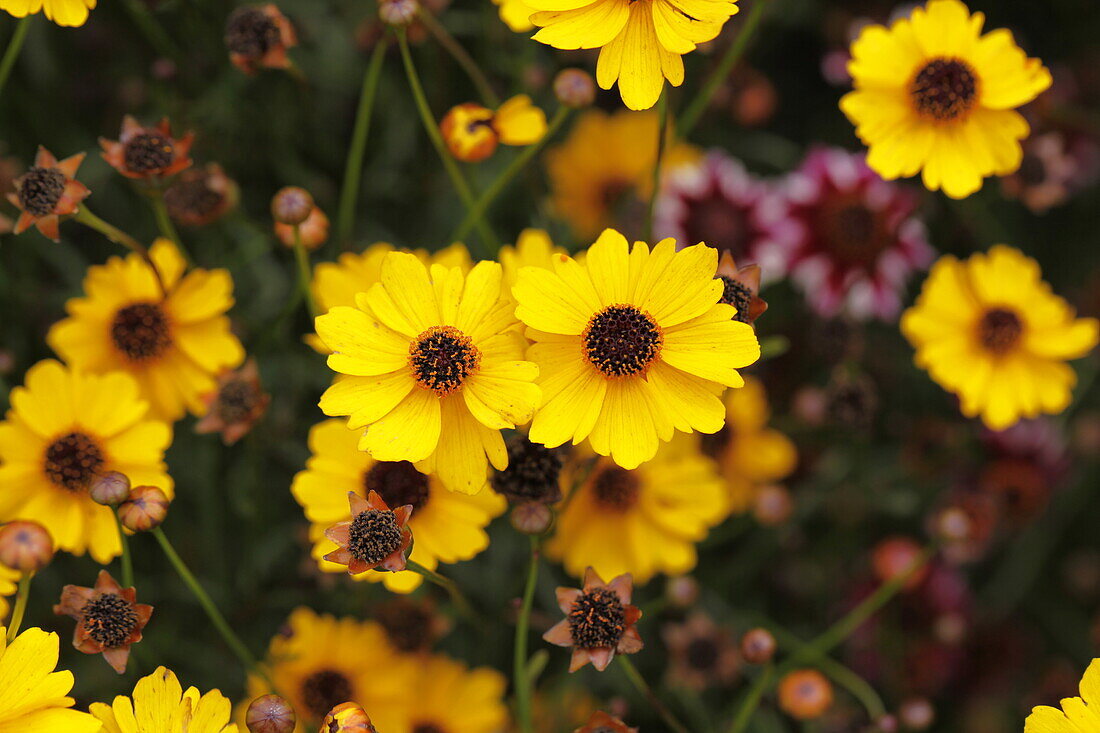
(752,700)
(167,228)
(448,585)
(154,32)
(305,274)
(737,49)
(127,560)
(522,680)
(20,609)
(643,687)
(485,200)
(15,45)
(459,54)
(488,239)
(662,137)
(85,216)
(353,168)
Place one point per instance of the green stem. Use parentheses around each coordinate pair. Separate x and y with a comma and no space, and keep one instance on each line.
(662,135)
(459,54)
(20,609)
(85,216)
(752,700)
(167,228)
(154,32)
(643,687)
(737,49)
(485,200)
(488,239)
(448,585)
(127,560)
(15,45)
(304,272)
(353,168)
(522,680)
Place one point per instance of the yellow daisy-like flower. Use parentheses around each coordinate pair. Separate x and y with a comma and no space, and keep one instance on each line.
(644,521)
(991,331)
(63,12)
(631,346)
(934,95)
(640,41)
(516,14)
(63,428)
(533,248)
(321,661)
(447,526)
(33,697)
(173,346)
(749,453)
(9,580)
(1078,714)
(448,697)
(159,704)
(434,369)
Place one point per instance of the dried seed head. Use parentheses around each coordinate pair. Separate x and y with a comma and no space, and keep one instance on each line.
(270,714)
(145,508)
(25,546)
(109,619)
(291,205)
(758,646)
(110,488)
(597,619)
(575,88)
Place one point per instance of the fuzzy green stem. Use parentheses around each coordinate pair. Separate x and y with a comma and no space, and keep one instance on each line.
(752,700)
(15,45)
(353,168)
(167,228)
(463,605)
(662,137)
(20,609)
(459,54)
(305,274)
(85,216)
(643,687)
(127,560)
(522,679)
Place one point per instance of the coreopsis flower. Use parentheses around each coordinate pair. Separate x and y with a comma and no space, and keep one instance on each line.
(701,654)
(449,527)
(599,621)
(533,248)
(147,153)
(63,12)
(433,369)
(449,696)
(108,618)
(1077,713)
(750,454)
(805,694)
(65,427)
(236,405)
(516,14)
(642,521)
(601,722)
(640,44)
(159,703)
(376,537)
(313,231)
(258,37)
(632,346)
(935,96)
(8,585)
(989,330)
(741,288)
(201,196)
(348,717)
(318,662)
(46,192)
(33,697)
(174,346)
(472,132)
(412,626)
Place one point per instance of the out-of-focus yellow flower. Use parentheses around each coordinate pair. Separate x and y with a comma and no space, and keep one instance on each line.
(33,697)
(989,330)
(533,248)
(159,703)
(935,96)
(516,14)
(1077,713)
(472,132)
(8,580)
(446,695)
(62,12)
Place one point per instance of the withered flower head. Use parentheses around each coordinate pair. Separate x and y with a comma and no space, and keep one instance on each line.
(258,37)
(376,538)
(147,152)
(601,722)
(411,626)
(239,402)
(144,509)
(533,473)
(25,546)
(347,717)
(108,618)
(701,654)
(599,621)
(201,196)
(270,714)
(46,192)
(741,288)
(313,231)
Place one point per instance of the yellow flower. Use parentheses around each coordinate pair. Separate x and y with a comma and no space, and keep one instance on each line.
(533,248)
(749,453)
(160,704)
(933,94)
(640,41)
(516,14)
(62,12)
(990,331)
(446,696)
(472,132)
(8,583)
(32,696)
(631,346)
(1078,714)
(434,369)
(447,527)
(644,521)
(174,347)
(64,427)
(321,661)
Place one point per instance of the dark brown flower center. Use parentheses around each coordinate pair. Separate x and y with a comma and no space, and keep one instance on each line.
(441,359)
(1000,329)
(250,32)
(737,294)
(325,689)
(428,728)
(109,620)
(532,472)
(73,460)
(191,200)
(40,189)
(621,340)
(374,535)
(408,625)
(398,483)
(852,234)
(701,654)
(597,619)
(148,152)
(140,331)
(615,489)
(944,89)
(237,399)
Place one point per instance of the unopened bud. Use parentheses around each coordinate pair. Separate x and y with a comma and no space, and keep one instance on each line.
(772,505)
(347,718)
(398,12)
(758,646)
(805,694)
(291,205)
(270,714)
(532,517)
(144,509)
(575,88)
(916,714)
(25,546)
(109,489)
(682,591)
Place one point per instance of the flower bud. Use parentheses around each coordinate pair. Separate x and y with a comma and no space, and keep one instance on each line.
(758,646)
(25,546)
(682,591)
(313,231)
(144,509)
(109,489)
(398,12)
(916,714)
(469,132)
(805,694)
(772,505)
(532,517)
(575,88)
(347,718)
(270,714)
(291,205)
